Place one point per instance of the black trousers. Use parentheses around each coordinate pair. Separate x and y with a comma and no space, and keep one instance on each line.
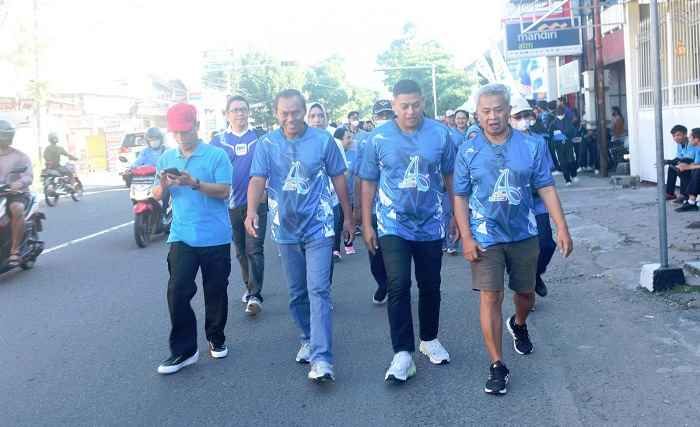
(673,173)
(693,188)
(250,251)
(183,263)
(376,262)
(427,257)
(547,244)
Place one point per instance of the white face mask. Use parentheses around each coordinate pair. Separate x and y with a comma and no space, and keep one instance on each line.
(531,122)
(355,123)
(521,125)
(560,117)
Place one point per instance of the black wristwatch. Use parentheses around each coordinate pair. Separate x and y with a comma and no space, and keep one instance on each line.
(197,184)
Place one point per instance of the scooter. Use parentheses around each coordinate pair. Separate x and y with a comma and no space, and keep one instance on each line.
(57,183)
(31,246)
(149,216)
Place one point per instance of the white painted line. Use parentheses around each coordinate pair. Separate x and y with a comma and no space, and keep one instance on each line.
(88,237)
(90,193)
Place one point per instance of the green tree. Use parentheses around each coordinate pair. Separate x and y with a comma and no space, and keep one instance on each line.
(325,83)
(453,85)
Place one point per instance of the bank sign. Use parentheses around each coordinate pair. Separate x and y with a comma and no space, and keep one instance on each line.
(551,37)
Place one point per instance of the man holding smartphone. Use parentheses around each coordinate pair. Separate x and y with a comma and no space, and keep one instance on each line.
(198,176)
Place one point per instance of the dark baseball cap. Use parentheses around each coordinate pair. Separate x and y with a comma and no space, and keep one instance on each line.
(381,106)
(182,117)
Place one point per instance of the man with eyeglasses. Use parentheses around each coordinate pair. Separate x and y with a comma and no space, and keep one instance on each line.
(239,142)
(495,175)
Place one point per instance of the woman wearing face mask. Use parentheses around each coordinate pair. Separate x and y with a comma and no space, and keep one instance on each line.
(562,132)
(151,154)
(523,119)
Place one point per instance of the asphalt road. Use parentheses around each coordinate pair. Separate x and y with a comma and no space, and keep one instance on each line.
(81,336)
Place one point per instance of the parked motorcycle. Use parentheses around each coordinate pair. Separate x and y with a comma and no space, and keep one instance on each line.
(59,183)
(149,216)
(31,246)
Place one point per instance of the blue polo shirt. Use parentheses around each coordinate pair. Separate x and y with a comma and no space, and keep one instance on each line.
(199,220)
(240,151)
(686,151)
(498,181)
(149,157)
(297,172)
(410,170)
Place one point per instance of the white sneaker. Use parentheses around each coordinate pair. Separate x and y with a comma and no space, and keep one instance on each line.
(244,298)
(555,173)
(321,372)
(435,352)
(568,184)
(576,180)
(304,353)
(176,363)
(253,307)
(401,369)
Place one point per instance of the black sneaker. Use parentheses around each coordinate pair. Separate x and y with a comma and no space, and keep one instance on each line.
(540,287)
(521,339)
(380,296)
(176,363)
(218,351)
(687,207)
(499,377)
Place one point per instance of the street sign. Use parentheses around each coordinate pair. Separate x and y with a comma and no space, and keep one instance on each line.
(551,37)
(569,78)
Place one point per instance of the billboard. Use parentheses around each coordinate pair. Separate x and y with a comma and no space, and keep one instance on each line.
(551,37)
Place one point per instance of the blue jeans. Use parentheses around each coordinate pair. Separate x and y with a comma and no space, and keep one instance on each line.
(307,267)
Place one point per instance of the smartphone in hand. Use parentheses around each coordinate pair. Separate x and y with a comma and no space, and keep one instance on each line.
(172,171)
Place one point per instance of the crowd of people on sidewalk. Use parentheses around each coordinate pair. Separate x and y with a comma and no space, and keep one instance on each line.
(414,186)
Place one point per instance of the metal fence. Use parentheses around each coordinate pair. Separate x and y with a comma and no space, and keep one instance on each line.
(679,20)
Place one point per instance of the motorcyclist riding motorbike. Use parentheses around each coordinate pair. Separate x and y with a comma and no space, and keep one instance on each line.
(150,155)
(11,160)
(53,153)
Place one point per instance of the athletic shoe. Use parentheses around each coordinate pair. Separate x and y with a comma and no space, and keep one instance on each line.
(568,184)
(451,251)
(576,180)
(380,296)
(254,306)
(401,369)
(521,338)
(244,298)
(176,363)
(687,207)
(435,352)
(321,372)
(540,287)
(555,173)
(336,254)
(350,250)
(304,353)
(499,377)
(218,351)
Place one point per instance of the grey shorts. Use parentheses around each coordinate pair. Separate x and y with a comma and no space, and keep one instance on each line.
(519,259)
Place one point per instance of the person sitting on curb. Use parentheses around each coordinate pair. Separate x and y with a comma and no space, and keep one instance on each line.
(685,153)
(694,170)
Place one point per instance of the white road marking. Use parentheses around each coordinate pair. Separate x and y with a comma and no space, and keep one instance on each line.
(88,237)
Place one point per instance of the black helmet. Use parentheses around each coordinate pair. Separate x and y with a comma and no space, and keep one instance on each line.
(153,133)
(7,130)
(53,138)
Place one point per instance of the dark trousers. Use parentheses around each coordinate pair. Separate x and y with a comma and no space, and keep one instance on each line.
(376,262)
(673,173)
(338,218)
(693,188)
(566,159)
(183,263)
(427,257)
(553,152)
(249,249)
(547,244)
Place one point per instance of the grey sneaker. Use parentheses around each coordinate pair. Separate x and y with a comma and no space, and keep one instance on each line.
(321,372)
(244,298)
(254,306)
(304,353)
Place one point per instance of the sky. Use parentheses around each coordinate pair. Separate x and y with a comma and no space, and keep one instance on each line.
(89,42)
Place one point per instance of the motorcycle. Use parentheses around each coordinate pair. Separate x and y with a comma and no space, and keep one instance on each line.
(31,246)
(61,183)
(149,216)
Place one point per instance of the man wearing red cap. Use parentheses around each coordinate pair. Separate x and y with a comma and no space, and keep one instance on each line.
(199,179)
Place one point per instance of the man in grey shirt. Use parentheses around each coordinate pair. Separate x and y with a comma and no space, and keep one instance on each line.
(16,171)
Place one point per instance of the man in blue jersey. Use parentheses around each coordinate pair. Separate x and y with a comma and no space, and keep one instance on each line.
(296,161)
(693,189)
(409,162)
(495,175)
(685,153)
(198,176)
(239,142)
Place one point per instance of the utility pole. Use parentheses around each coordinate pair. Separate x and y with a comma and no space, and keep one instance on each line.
(37,86)
(600,90)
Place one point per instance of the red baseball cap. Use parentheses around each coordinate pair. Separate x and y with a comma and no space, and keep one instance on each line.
(182,117)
